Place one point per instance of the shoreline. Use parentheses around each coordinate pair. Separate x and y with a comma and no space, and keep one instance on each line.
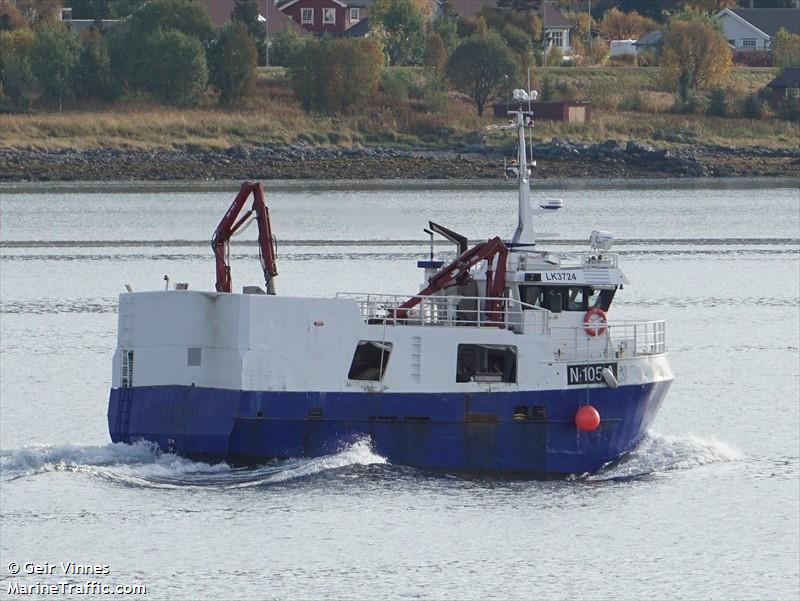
(556,162)
(343,185)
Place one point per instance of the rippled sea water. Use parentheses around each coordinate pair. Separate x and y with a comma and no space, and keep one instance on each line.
(707,507)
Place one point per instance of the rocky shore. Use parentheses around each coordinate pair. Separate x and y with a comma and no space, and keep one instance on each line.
(559,158)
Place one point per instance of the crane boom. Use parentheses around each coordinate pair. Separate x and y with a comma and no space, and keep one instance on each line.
(229,226)
(458,271)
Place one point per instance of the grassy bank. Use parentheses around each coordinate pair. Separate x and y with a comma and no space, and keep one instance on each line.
(276,118)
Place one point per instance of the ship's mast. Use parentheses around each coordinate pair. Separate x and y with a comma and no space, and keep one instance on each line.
(523,236)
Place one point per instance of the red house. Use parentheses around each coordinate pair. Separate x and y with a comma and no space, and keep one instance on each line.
(326,16)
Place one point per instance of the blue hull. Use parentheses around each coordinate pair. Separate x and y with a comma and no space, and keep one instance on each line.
(530,433)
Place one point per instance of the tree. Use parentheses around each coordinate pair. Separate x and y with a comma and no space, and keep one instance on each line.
(617,25)
(446,25)
(53,62)
(184,16)
(519,5)
(176,68)
(246,12)
(401,26)
(284,47)
(695,56)
(93,76)
(232,61)
(39,13)
(435,53)
(16,75)
(786,49)
(479,67)
(10,17)
(718,103)
(104,9)
(336,74)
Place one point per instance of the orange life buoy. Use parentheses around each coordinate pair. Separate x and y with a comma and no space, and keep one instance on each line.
(595,322)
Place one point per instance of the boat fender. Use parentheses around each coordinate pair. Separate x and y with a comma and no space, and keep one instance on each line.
(587,419)
(595,322)
(610,378)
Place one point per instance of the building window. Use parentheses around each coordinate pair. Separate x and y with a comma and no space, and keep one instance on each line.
(370,360)
(749,43)
(307,17)
(355,14)
(557,39)
(194,357)
(328,15)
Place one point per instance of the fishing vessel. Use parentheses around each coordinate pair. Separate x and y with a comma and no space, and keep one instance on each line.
(504,362)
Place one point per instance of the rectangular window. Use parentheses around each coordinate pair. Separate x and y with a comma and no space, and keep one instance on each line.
(328,15)
(127,369)
(557,39)
(486,363)
(749,43)
(307,17)
(370,360)
(355,15)
(194,356)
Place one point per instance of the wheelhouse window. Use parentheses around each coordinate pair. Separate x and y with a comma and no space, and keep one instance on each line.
(355,14)
(370,360)
(486,363)
(566,298)
(307,16)
(328,15)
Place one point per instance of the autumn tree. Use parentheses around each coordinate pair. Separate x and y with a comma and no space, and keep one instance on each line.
(10,17)
(480,66)
(617,25)
(435,53)
(446,25)
(16,74)
(232,61)
(39,13)
(786,49)
(695,56)
(336,74)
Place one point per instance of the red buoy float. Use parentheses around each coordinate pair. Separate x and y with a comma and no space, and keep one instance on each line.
(595,322)
(587,419)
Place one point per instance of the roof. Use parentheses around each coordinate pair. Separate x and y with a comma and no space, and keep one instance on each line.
(220,13)
(653,38)
(553,18)
(359,30)
(790,78)
(770,20)
(470,8)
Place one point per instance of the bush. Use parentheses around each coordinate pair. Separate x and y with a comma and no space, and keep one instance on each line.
(395,84)
(555,57)
(753,107)
(752,58)
(232,60)
(718,103)
(789,109)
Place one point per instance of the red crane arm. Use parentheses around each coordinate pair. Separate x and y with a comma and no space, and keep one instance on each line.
(228,227)
(458,271)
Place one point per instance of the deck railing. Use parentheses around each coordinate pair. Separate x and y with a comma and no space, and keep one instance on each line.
(442,310)
(620,339)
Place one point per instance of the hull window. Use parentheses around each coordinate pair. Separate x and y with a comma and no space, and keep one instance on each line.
(370,360)
(486,363)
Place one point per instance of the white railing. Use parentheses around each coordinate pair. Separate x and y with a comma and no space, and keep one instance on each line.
(444,310)
(621,339)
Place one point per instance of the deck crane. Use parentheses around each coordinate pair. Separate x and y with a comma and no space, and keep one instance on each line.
(459,272)
(230,226)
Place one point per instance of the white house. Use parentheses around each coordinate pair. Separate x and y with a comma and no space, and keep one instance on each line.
(755,28)
(557,29)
